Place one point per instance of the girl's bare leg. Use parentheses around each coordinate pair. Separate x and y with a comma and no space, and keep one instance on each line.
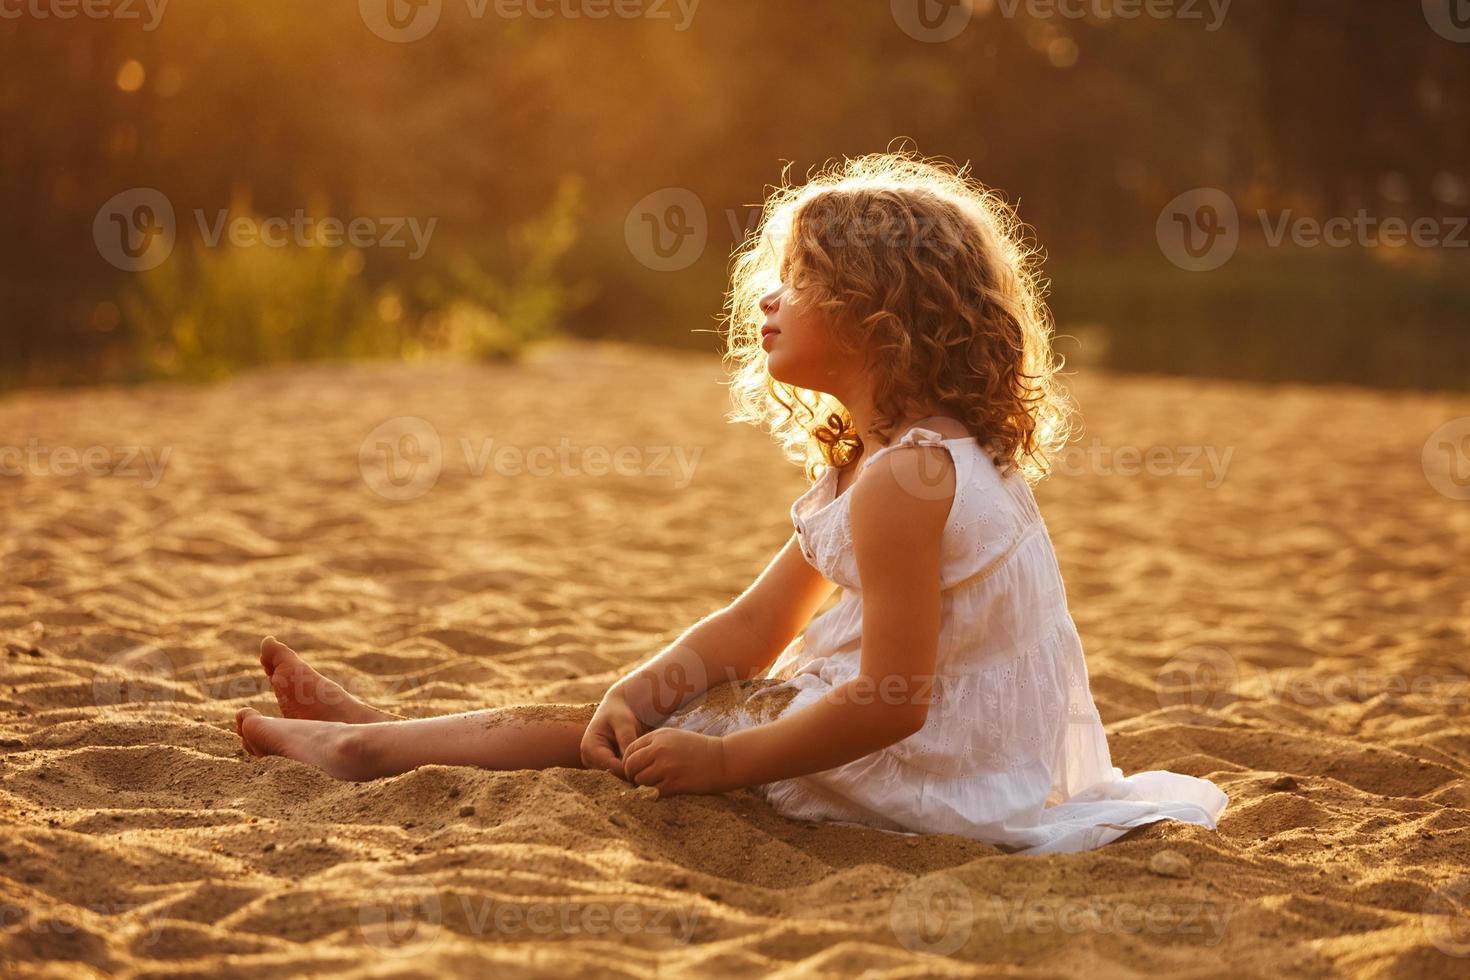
(520,737)
(326,726)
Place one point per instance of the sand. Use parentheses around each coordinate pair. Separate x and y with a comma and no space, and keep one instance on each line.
(1291,624)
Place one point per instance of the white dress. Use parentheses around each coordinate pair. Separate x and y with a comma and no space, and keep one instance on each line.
(1013,752)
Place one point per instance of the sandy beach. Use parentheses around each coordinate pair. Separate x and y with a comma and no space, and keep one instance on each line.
(1270,587)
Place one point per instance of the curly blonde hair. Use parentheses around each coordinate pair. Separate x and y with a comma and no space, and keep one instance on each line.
(928,271)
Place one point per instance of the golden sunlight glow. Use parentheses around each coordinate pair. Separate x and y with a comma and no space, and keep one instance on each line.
(130,76)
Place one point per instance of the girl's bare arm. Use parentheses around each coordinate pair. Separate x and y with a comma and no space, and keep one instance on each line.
(898,511)
(898,514)
(736,642)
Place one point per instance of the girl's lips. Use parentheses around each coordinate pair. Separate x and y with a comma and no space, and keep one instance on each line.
(766,336)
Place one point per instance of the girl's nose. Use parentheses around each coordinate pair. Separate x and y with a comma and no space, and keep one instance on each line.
(769,300)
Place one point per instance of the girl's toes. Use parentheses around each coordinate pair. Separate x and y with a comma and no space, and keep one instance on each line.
(240,717)
(271,652)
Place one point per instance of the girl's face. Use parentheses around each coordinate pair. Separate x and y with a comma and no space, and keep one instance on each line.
(797,338)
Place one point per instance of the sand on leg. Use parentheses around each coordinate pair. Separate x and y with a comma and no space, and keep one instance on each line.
(537,736)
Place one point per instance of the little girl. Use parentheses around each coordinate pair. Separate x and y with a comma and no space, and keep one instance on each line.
(886,324)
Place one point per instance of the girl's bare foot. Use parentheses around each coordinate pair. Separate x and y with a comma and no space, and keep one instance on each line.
(305,694)
(339,749)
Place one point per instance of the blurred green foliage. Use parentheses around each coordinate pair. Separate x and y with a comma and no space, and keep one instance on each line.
(202,315)
(529,140)
(1309,316)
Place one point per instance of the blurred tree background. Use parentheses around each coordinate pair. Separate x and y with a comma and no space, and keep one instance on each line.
(528,141)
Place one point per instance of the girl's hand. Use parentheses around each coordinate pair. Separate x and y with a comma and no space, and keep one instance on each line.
(610,734)
(675,762)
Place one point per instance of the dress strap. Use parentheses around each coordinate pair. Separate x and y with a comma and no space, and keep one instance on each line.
(917,436)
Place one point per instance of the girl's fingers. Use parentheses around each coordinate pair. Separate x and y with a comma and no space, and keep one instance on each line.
(599,751)
(653,776)
(598,754)
(626,733)
(641,741)
(637,760)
